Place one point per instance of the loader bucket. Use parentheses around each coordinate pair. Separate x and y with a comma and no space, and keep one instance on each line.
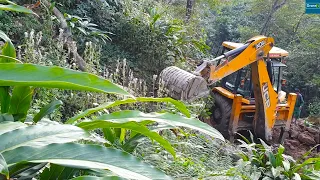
(182,85)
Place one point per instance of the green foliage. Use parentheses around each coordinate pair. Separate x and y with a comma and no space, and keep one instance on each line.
(58,172)
(84,26)
(3,168)
(36,145)
(180,106)
(314,108)
(20,102)
(97,178)
(167,118)
(198,156)
(44,76)
(260,161)
(7,49)
(13,7)
(49,108)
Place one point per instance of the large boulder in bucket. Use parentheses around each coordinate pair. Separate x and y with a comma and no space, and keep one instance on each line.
(183,85)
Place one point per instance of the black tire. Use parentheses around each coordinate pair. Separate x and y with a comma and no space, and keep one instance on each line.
(220,114)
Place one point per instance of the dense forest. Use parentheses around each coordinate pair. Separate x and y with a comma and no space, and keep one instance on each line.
(107,117)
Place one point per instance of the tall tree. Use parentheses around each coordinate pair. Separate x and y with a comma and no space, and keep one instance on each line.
(190,4)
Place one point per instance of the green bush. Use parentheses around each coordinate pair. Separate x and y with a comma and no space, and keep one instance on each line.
(314,108)
(261,161)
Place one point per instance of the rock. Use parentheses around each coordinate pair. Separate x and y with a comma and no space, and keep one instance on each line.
(317,138)
(294,131)
(292,142)
(312,130)
(306,138)
(294,134)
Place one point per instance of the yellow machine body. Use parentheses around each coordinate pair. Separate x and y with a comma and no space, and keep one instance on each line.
(266,109)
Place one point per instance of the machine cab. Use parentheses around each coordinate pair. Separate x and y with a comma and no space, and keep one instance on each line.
(240,82)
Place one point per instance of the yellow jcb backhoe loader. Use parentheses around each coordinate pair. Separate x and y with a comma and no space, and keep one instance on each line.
(249,96)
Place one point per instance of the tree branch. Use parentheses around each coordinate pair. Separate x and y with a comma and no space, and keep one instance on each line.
(68,35)
(274,8)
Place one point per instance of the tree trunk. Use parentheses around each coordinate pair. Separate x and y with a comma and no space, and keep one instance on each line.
(68,35)
(190,4)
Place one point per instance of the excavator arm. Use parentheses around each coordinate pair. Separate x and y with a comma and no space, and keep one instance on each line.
(251,53)
(254,49)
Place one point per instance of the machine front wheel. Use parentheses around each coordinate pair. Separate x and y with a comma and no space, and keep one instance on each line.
(220,113)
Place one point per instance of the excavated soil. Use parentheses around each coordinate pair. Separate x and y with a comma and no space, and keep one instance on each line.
(300,140)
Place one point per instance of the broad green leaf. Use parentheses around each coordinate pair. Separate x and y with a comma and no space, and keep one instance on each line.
(5,99)
(8,126)
(132,143)
(97,178)
(278,156)
(85,156)
(296,176)
(7,59)
(15,8)
(179,105)
(7,2)
(20,102)
(317,166)
(117,132)
(47,109)
(108,134)
(4,36)
(265,145)
(54,77)
(3,167)
(99,173)
(275,172)
(123,134)
(161,126)
(137,116)
(305,163)
(286,165)
(130,125)
(244,138)
(272,159)
(26,171)
(280,150)
(8,50)
(55,172)
(6,117)
(39,135)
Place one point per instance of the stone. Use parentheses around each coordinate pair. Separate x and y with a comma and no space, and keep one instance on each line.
(294,131)
(292,142)
(294,134)
(312,130)
(317,138)
(306,138)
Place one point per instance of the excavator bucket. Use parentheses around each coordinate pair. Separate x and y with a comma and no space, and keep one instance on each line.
(183,85)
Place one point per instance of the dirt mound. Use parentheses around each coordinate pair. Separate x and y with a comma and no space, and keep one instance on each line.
(300,140)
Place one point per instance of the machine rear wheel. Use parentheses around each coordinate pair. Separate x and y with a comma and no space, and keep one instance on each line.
(220,113)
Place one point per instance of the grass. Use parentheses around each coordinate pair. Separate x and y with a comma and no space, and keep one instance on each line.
(198,156)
